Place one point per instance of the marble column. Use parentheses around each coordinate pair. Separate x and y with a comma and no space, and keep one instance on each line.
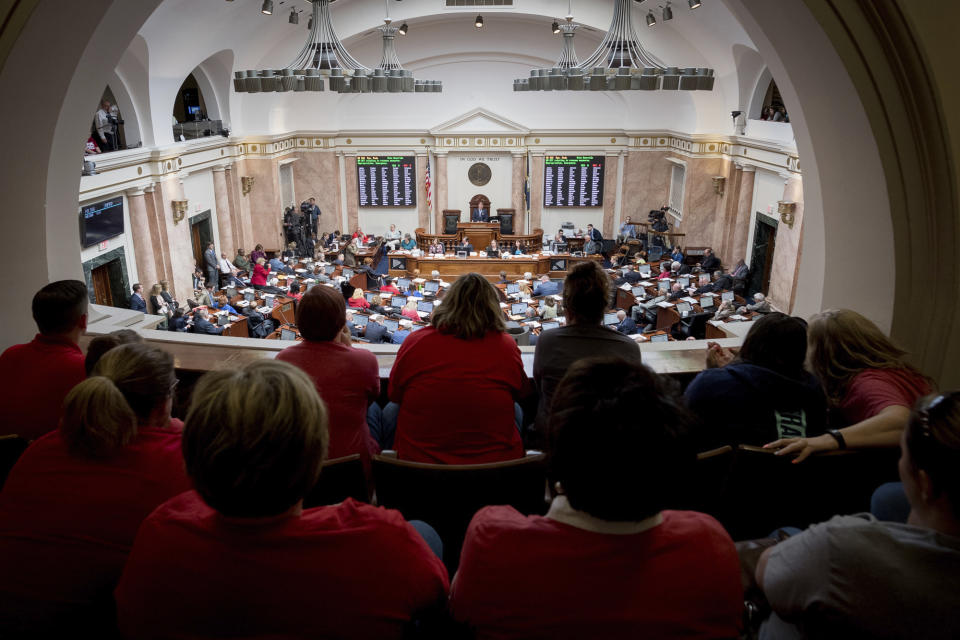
(179,243)
(786,254)
(224,213)
(242,225)
(353,201)
(517,200)
(744,212)
(536,191)
(158,233)
(423,213)
(142,238)
(440,190)
(609,195)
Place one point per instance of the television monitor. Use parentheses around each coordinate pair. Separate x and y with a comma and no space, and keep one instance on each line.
(391,325)
(610,318)
(361,319)
(424,306)
(546,326)
(663,285)
(706,302)
(403,284)
(513,287)
(387,181)
(518,308)
(347,273)
(431,286)
(660,337)
(397,302)
(193,110)
(727,296)
(573,181)
(286,334)
(101,221)
(683,308)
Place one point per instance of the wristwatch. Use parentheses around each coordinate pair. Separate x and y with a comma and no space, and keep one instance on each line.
(842,444)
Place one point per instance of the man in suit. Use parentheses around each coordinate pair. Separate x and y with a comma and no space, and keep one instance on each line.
(594,243)
(314,215)
(710,262)
(206,298)
(547,287)
(202,324)
(401,334)
(630,275)
(375,332)
(465,245)
(351,325)
(626,325)
(481,214)
(137,302)
(211,264)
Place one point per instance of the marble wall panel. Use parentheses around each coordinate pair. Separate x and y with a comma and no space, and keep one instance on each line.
(646,183)
(317,175)
(786,255)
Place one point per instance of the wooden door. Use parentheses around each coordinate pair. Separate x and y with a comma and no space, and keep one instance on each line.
(761,260)
(102,293)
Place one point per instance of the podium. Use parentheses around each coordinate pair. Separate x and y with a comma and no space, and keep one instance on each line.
(480,233)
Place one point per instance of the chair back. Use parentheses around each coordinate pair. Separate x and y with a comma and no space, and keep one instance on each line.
(340,478)
(705,487)
(11,448)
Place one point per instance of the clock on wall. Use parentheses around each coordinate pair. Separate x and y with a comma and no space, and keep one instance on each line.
(479,174)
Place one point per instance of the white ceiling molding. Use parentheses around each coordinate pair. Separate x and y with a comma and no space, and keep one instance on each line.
(479,121)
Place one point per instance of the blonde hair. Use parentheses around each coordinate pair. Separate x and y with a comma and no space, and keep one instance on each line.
(155,290)
(842,343)
(470,309)
(357,293)
(255,438)
(412,304)
(261,261)
(101,414)
(376,300)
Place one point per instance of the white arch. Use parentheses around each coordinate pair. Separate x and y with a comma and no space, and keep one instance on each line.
(127,108)
(759,93)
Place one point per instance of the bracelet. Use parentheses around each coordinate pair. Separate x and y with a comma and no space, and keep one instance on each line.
(838,437)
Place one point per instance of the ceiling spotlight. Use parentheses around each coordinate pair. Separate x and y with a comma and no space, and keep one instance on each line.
(294,17)
(478,23)
(667,13)
(267,8)
(403,29)
(651,19)
(555,27)
(694,3)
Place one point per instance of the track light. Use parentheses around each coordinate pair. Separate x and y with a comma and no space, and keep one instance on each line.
(294,17)
(403,29)
(651,19)
(667,13)
(478,23)
(310,24)
(555,27)
(267,8)
(694,4)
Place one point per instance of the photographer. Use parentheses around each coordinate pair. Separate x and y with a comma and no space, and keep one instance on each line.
(105,123)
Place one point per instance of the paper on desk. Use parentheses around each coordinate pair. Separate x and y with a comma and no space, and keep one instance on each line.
(690,300)
(557,297)
(737,316)
(665,305)
(646,283)
(503,305)
(419,280)
(626,286)
(533,324)
(716,323)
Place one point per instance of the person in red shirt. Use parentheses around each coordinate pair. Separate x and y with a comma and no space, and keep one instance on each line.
(410,311)
(240,557)
(389,287)
(347,379)
(260,273)
(457,381)
(607,561)
(357,301)
(867,379)
(73,502)
(36,376)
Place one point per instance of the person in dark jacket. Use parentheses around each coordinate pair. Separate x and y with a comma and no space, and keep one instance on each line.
(710,262)
(178,322)
(763,394)
(375,332)
(626,326)
(137,301)
(202,324)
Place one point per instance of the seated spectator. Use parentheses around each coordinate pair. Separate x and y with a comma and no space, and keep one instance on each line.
(260,273)
(855,577)
(347,379)
(410,311)
(392,238)
(549,311)
(72,504)
(608,560)
(402,333)
(517,248)
(36,376)
(158,304)
(547,287)
(586,295)
(760,305)
(137,301)
(762,394)
(408,243)
(257,253)
(867,379)
(202,324)
(357,300)
(240,557)
(456,382)
(102,344)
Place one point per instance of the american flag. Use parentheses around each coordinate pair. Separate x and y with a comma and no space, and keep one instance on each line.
(426,184)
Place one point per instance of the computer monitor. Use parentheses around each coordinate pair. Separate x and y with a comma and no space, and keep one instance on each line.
(663,285)
(546,326)
(268,300)
(492,253)
(286,334)
(683,308)
(644,270)
(369,296)
(329,269)
(684,281)
(461,254)
(518,308)
(610,318)
(231,293)
(639,291)
(513,287)
(403,284)
(660,337)
(706,302)
(424,306)
(250,296)
(665,266)
(391,325)
(347,273)
(361,320)
(431,286)
(397,302)
(727,296)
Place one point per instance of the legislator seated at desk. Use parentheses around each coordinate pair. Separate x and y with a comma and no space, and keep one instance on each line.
(547,287)
(465,246)
(493,251)
(202,324)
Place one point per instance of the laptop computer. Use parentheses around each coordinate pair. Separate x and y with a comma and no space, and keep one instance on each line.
(360,319)
(684,308)
(287,334)
(397,302)
(424,306)
(391,325)
(663,285)
(706,302)
(546,326)
(431,286)
(403,284)
(513,287)
(518,308)
(610,319)
(727,296)
(660,337)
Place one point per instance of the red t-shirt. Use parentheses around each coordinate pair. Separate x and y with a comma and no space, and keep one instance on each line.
(390,288)
(348,380)
(456,398)
(344,571)
(35,378)
(358,303)
(67,523)
(260,274)
(873,390)
(533,577)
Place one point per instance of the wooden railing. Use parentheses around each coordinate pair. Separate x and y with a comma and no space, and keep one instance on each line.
(531,243)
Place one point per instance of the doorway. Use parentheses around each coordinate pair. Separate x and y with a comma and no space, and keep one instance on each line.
(761,255)
(102,291)
(201,234)
(107,280)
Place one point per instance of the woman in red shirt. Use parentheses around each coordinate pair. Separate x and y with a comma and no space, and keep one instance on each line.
(410,311)
(868,382)
(72,504)
(357,301)
(260,273)
(608,560)
(456,382)
(240,557)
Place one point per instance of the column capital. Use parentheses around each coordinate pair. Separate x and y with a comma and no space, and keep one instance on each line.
(220,167)
(137,191)
(441,154)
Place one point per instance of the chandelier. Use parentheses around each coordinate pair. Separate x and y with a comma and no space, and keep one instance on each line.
(323,56)
(620,63)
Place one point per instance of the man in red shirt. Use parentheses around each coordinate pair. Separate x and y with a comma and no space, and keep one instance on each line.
(607,561)
(36,376)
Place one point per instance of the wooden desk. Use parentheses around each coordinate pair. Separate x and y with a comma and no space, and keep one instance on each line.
(283,311)
(481,234)
(489,267)
(238,329)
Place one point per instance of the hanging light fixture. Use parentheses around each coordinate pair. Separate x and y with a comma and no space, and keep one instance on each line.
(267,8)
(294,17)
(619,63)
(694,4)
(478,23)
(667,12)
(403,29)
(324,56)
(555,27)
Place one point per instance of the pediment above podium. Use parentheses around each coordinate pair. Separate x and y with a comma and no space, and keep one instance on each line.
(479,121)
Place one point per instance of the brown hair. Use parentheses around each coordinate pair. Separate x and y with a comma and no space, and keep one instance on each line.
(470,309)
(321,314)
(101,344)
(58,306)
(155,289)
(101,414)
(842,343)
(586,293)
(255,438)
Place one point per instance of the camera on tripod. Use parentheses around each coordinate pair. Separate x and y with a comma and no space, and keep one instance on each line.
(658,219)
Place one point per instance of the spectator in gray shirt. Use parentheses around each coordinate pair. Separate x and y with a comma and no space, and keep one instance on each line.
(856,577)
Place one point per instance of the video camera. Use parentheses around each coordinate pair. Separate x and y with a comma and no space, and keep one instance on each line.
(658,219)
